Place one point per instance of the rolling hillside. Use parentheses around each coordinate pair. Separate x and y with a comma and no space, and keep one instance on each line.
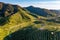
(14,18)
(50,14)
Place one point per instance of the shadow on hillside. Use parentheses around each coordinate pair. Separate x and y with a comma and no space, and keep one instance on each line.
(31,33)
(28,33)
(3,20)
(6,12)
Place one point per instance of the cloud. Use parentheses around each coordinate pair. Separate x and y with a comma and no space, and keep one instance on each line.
(48,5)
(44,4)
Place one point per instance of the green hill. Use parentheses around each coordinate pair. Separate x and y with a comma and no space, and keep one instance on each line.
(14,18)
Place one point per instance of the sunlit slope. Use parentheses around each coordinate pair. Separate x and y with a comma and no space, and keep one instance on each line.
(15,22)
(14,17)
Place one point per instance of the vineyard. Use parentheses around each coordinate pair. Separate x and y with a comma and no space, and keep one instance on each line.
(31,33)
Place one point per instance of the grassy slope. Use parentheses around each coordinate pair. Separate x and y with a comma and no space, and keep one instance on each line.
(23,18)
(16,21)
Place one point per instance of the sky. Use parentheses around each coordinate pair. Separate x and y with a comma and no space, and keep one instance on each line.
(48,4)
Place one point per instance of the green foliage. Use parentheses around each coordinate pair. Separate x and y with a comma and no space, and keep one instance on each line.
(26,23)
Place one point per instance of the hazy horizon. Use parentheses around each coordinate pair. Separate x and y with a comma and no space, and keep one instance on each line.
(47,4)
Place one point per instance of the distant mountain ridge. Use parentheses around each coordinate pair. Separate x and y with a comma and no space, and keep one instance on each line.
(51,14)
(42,11)
(39,11)
(56,11)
